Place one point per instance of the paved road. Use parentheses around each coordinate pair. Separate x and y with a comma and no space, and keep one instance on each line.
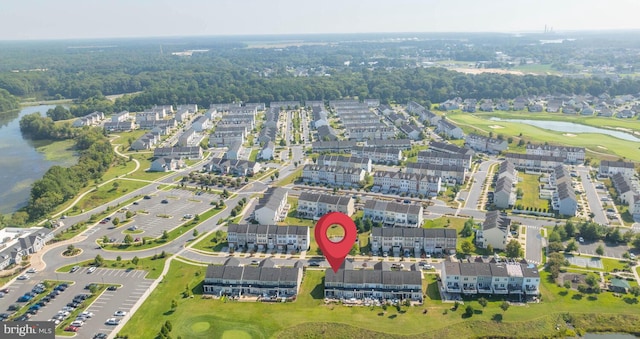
(479,177)
(535,243)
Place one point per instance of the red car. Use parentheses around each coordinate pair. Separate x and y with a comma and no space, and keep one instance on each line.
(71,329)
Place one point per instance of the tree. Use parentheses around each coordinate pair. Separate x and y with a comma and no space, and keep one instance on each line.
(195,233)
(514,249)
(467,247)
(600,250)
(115,221)
(483,301)
(468,311)
(504,306)
(165,235)
(98,260)
(135,260)
(128,215)
(490,249)
(118,258)
(592,280)
(572,246)
(467,230)
(635,291)
(196,217)
(174,304)
(570,229)
(128,239)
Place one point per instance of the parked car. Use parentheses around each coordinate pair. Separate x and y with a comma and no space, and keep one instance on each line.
(92,269)
(112,288)
(23,277)
(74,268)
(112,321)
(120,313)
(31,270)
(77,323)
(87,314)
(71,328)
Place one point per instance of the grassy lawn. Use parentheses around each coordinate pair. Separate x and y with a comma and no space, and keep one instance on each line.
(212,242)
(145,163)
(108,193)
(152,266)
(173,234)
(308,317)
(530,186)
(290,178)
(536,69)
(254,154)
(594,142)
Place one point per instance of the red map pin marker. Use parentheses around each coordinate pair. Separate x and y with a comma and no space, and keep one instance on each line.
(335,252)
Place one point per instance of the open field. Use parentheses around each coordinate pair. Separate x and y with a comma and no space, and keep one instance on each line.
(595,142)
(107,193)
(308,317)
(530,186)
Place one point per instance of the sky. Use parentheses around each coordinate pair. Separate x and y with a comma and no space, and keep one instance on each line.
(85,19)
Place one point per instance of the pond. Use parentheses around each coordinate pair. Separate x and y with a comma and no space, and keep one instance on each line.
(570,127)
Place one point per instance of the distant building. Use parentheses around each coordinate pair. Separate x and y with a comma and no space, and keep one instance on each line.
(333,175)
(233,167)
(252,237)
(571,155)
(179,152)
(314,205)
(609,168)
(449,130)
(271,208)
(484,144)
(416,241)
(508,278)
(391,214)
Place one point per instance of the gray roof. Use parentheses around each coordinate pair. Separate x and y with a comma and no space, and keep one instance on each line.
(272,198)
(381,205)
(494,219)
(430,233)
(325,198)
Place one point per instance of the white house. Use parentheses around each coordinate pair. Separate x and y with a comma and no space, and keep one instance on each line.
(495,231)
(271,207)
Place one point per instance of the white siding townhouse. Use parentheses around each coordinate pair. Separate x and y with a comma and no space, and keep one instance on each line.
(264,281)
(564,198)
(267,152)
(381,283)
(120,117)
(16,242)
(392,214)
(166,165)
(479,277)
(624,187)
(344,161)
(314,206)
(272,207)
(89,119)
(188,138)
(233,167)
(333,175)
(378,154)
(485,144)
(495,231)
(145,142)
(443,158)
(449,130)
(403,182)
(201,123)
(570,155)
(179,152)
(609,168)
(634,208)
(447,173)
(534,162)
(248,237)
(417,241)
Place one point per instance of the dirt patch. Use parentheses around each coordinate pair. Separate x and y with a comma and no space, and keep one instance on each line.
(602,147)
(569,135)
(496,126)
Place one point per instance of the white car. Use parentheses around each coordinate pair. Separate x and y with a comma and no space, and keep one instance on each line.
(92,269)
(77,323)
(120,313)
(23,277)
(112,321)
(87,314)
(31,270)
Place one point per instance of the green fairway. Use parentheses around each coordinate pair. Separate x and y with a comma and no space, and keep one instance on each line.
(599,145)
(309,317)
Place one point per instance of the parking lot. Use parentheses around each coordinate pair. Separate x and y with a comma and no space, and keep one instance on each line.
(131,286)
(163,212)
(610,250)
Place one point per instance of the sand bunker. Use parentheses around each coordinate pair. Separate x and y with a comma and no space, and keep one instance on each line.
(569,135)
(496,126)
(602,147)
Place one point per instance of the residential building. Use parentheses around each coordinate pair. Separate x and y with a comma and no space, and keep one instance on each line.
(314,205)
(449,130)
(120,117)
(392,214)
(446,147)
(145,142)
(119,126)
(188,138)
(404,182)
(166,165)
(369,133)
(272,207)
(234,150)
(624,188)
(285,104)
(381,283)
(531,162)
(252,237)
(571,155)
(479,277)
(418,241)
(201,123)
(333,175)
(265,281)
(485,144)
(504,194)
(564,198)
(147,116)
(402,144)
(319,117)
(151,124)
(378,154)
(89,119)
(179,152)
(267,151)
(411,131)
(444,158)
(447,173)
(609,168)
(333,146)
(344,161)
(227,135)
(634,208)
(326,133)
(234,167)
(495,231)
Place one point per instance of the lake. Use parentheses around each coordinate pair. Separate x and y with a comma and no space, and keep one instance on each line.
(21,164)
(570,127)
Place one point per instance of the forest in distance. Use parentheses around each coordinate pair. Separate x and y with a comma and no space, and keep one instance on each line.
(228,70)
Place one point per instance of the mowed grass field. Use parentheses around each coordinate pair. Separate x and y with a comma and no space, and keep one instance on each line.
(530,186)
(600,143)
(309,317)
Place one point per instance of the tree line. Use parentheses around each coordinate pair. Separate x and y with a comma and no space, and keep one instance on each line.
(8,102)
